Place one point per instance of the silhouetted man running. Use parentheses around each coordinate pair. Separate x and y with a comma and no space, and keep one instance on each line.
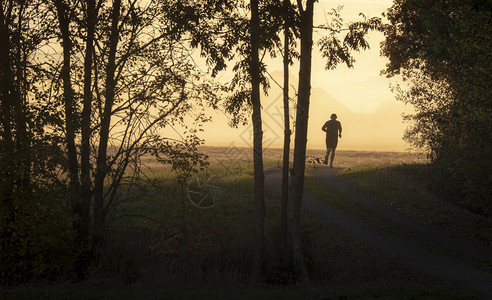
(333,130)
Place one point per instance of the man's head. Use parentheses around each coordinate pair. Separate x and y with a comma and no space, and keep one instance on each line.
(333,116)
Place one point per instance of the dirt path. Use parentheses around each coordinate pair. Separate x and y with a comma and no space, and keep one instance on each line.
(471,267)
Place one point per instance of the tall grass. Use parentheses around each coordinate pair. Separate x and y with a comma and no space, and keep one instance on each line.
(166,237)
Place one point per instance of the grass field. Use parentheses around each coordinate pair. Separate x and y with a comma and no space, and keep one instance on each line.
(344,158)
(163,247)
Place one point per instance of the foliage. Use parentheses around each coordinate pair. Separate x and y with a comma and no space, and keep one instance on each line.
(35,222)
(336,51)
(83,115)
(238,104)
(185,159)
(444,48)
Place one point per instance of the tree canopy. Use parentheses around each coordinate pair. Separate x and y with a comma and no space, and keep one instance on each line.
(444,48)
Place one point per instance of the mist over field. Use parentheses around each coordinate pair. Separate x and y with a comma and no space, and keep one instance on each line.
(381,128)
(344,158)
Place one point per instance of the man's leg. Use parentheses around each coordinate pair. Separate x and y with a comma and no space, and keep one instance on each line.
(332,157)
(328,150)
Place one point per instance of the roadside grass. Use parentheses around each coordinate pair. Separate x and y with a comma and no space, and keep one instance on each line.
(408,187)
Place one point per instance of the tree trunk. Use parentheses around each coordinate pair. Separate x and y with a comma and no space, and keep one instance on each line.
(101,164)
(69,105)
(80,222)
(85,122)
(86,112)
(259,177)
(8,240)
(23,160)
(15,159)
(300,143)
(6,86)
(62,10)
(287,132)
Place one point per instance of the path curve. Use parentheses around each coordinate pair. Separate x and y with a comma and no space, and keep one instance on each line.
(475,274)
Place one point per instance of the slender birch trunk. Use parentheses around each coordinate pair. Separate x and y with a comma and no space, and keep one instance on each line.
(259,177)
(302,114)
(287,132)
(101,163)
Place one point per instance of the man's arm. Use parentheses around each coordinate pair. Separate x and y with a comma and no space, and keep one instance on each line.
(324,128)
(340,129)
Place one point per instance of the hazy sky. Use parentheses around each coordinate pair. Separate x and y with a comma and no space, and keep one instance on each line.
(344,83)
(360,96)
